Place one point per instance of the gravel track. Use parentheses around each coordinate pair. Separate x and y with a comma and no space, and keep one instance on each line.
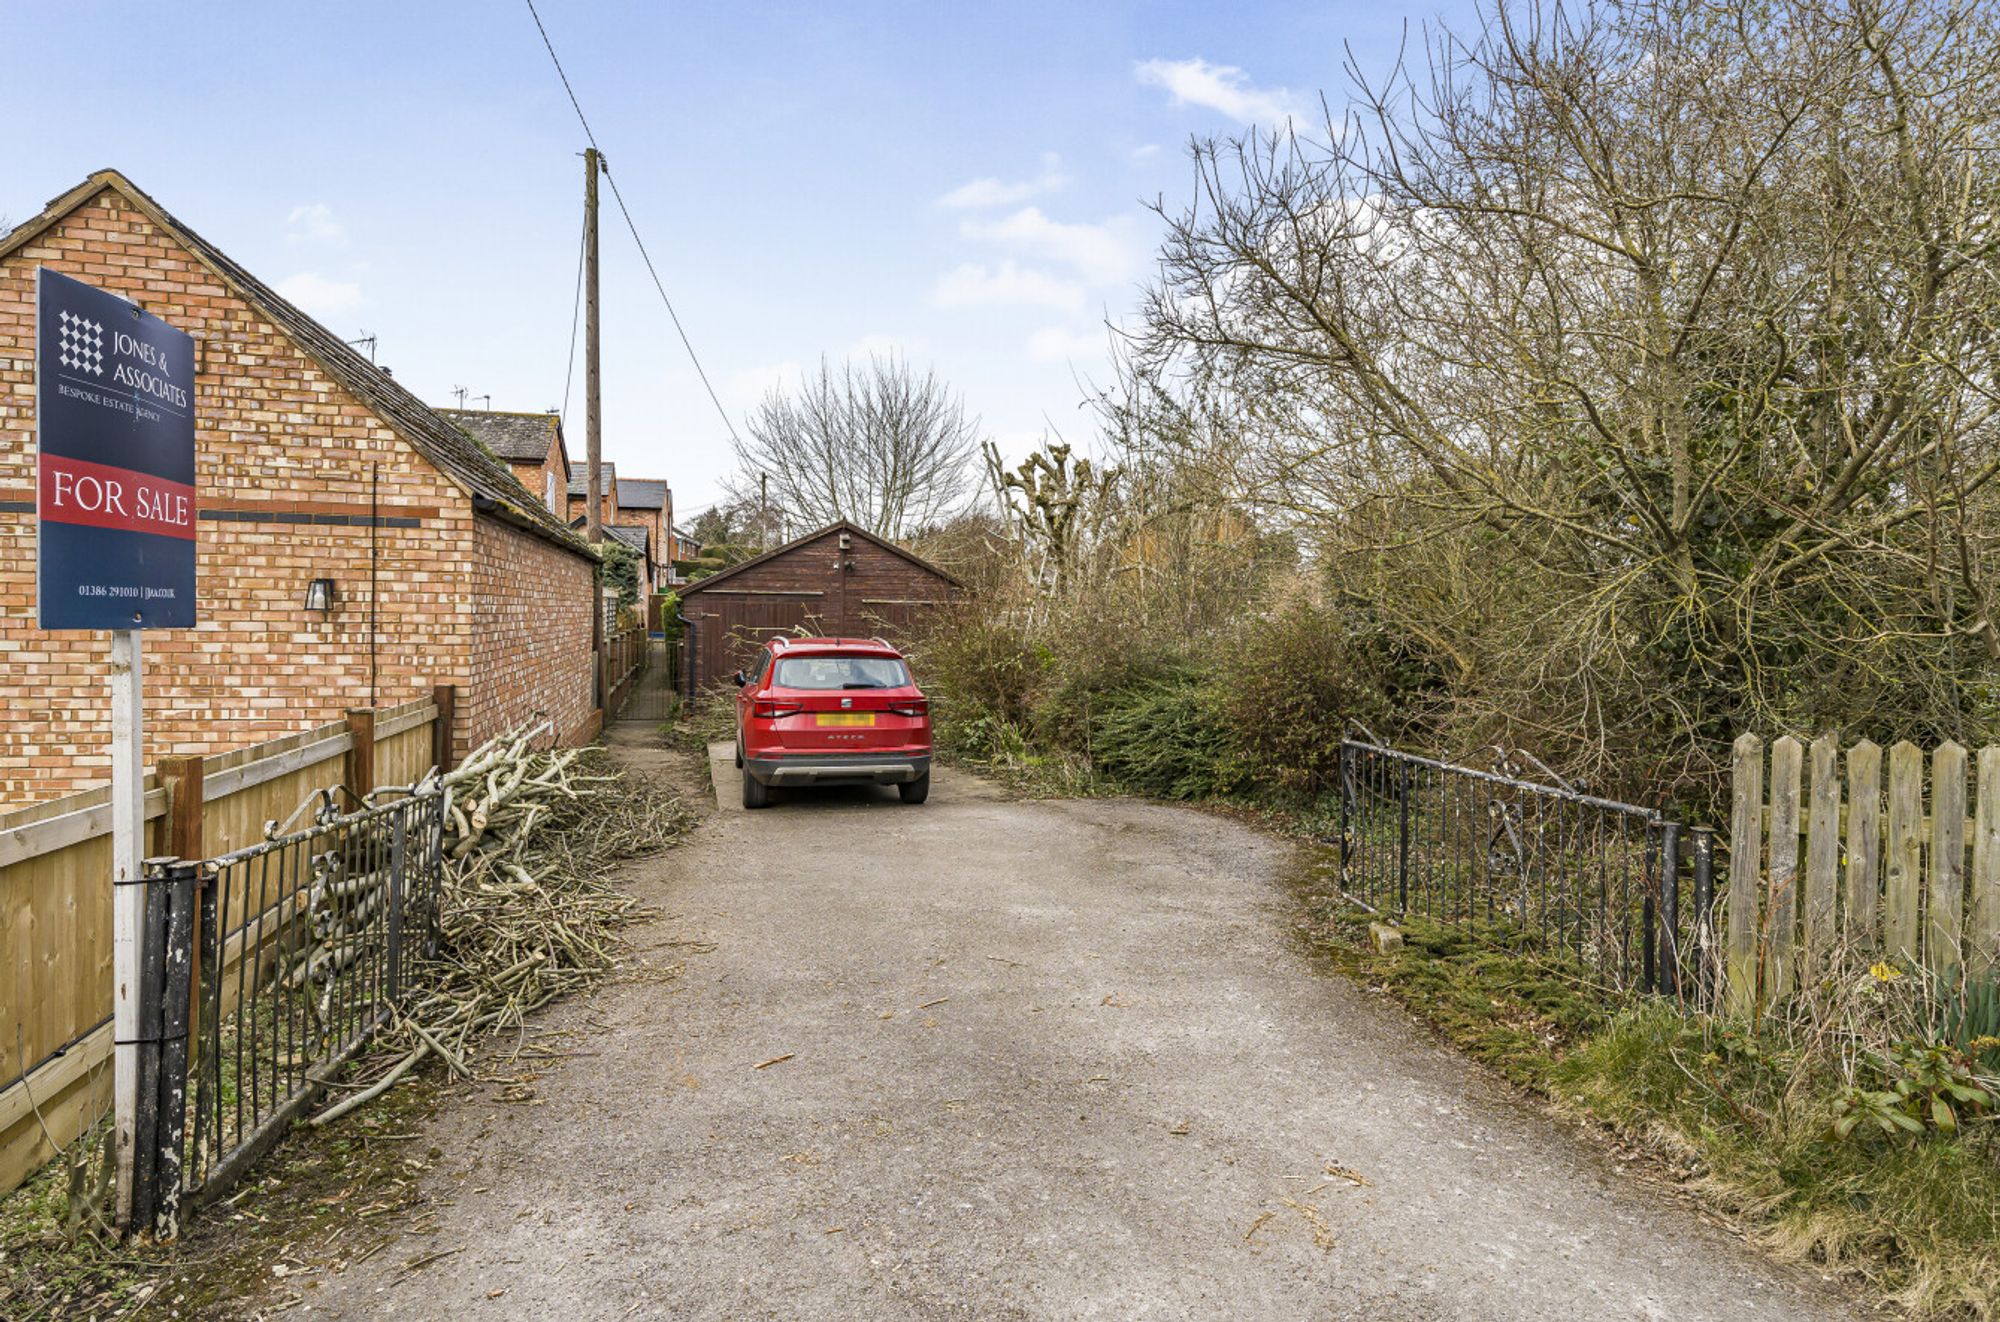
(1032,1060)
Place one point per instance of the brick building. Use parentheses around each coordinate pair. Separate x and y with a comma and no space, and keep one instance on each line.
(530,444)
(648,502)
(607,502)
(839,581)
(311,463)
(637,511)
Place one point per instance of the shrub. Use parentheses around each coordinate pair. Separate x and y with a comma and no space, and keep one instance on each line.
(1295,683)
(1168,735)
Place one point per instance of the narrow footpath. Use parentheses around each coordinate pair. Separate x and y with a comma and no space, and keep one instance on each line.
(996,1059)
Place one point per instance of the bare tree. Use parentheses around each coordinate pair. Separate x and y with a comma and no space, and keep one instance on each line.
(1634,363)
(877,443)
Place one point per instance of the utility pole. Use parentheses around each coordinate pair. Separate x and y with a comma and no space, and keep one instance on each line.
(593,524)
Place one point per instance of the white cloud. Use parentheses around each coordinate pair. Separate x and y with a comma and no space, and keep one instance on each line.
(315,223)
(1101,254)
(975,285)
(882,346)
(990,192)
(1223,88)
(319,295)
(1146,152)
(1056,343)
(746,388)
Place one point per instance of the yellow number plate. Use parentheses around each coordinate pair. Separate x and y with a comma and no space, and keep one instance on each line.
(845,718)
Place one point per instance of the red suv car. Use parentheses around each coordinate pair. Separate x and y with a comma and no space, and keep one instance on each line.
(831,711)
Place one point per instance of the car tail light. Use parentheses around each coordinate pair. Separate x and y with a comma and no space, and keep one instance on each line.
(771,711)
(911,707)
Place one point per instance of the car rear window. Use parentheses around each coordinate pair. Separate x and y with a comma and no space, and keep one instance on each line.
(840,672)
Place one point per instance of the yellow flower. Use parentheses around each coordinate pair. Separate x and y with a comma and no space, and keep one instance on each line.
(1884,972)
(1985,1042)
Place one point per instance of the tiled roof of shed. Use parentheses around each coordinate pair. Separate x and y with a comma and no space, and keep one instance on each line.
(640,493)
(450,450)
(633,535)
(520,437)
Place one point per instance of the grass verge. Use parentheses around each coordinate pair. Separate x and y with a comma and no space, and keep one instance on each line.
(1743,1115)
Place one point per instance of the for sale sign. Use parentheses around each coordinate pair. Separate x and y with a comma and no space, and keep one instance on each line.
(114,490)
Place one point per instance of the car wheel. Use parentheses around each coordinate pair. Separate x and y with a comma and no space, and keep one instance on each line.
(756,794)
(916,791)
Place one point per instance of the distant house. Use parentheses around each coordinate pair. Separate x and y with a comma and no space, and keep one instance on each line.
(649,502)
(530,444)
(607,502)
(311,464)
(686,549)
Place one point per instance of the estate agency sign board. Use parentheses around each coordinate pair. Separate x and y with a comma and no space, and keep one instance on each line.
(114,489)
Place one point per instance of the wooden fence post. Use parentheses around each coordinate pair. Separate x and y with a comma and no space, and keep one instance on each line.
(183,779)
(1781,908)
(1822,874)
(1746,834)
(1982,925)
(445,698)
(1947,872)
(1906,852)
(1864,843)
(359,773)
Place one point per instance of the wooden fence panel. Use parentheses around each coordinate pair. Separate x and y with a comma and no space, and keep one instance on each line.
(1821,879)
(1945,909)
(55,916)
(1982,925)
(404,748)
(1746,837)
(1907,867)
(1782,875)
(1864,843)
(1906,845)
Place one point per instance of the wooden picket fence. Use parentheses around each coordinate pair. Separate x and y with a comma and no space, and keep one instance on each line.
(1900,876)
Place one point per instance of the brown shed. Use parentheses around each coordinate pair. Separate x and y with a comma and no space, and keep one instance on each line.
(842,581)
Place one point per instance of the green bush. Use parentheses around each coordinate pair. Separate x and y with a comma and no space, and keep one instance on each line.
(1167,735)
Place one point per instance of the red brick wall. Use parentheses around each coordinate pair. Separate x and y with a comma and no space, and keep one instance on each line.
(531,637)
(606,512)
(535,477)
(276,437)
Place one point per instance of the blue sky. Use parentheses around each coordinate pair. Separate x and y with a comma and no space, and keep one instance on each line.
(964,184)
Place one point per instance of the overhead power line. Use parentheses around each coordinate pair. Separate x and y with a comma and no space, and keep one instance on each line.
(575,311)
(631,225)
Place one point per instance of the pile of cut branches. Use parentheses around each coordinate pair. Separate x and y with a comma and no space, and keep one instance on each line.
(524,914)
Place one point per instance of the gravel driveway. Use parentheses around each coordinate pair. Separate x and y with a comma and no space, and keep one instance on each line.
(987,1058)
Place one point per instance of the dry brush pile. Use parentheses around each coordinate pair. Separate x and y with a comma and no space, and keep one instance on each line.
(524,911)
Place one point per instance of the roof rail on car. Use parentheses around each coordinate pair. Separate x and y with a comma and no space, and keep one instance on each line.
(880,641)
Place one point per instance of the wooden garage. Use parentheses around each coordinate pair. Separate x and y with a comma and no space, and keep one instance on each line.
(842,581)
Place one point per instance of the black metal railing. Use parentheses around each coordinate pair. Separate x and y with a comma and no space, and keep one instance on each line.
(1587,883)
(302,943)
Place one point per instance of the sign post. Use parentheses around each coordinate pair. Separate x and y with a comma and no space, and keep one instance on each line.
(115,550)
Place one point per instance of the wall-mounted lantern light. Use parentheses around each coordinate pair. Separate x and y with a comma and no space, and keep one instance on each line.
(319,595)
